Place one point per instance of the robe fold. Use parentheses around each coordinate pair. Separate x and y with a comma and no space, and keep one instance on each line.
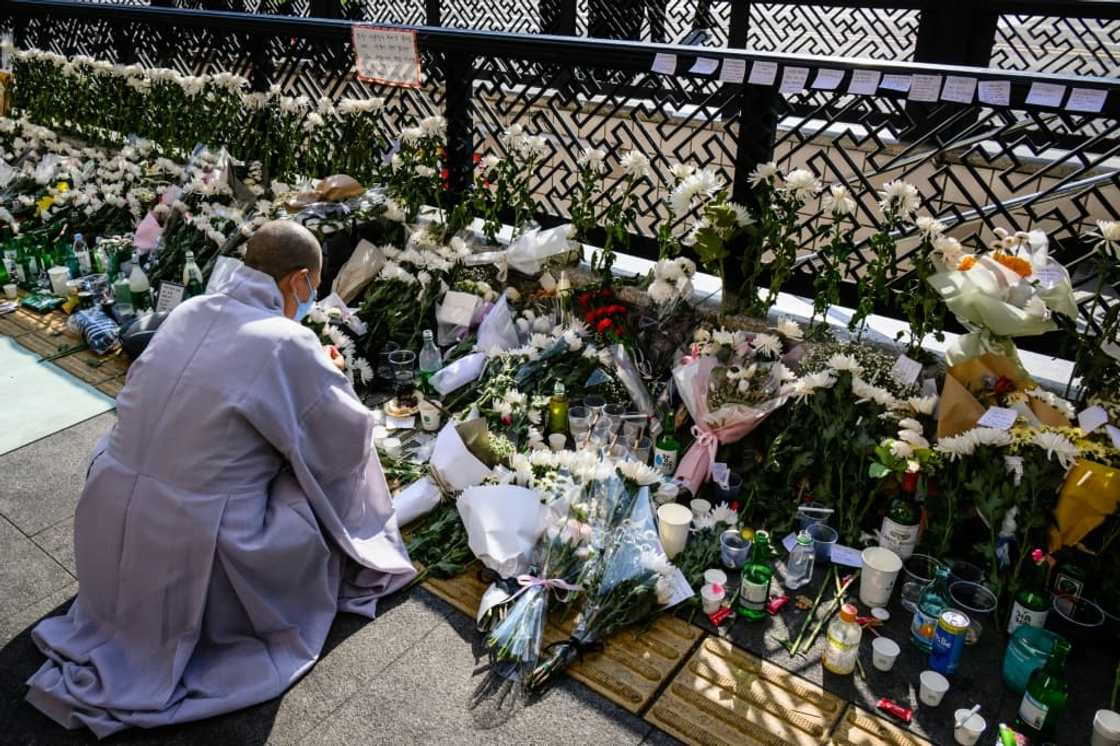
(235,507)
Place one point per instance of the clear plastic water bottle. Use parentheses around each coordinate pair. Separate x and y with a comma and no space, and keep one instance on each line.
(431,360)
(799,566)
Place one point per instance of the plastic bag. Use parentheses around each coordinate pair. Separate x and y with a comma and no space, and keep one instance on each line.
(528,253)
(359,270)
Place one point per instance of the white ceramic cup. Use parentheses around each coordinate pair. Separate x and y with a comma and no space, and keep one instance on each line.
(715,577)
(933,688)
(884,652)
(11,291)
(970,731)
(711,597)
(558,441)
(700,507)
(673,520)
(1106,728)
(880,571)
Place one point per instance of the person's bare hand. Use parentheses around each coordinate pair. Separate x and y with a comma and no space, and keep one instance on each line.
(335,356)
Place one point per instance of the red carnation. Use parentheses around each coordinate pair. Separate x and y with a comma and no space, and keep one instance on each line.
(475,158)
(604,325)
(910,481)
(1004,385)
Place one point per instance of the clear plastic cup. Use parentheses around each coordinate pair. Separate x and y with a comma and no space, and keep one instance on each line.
(824,539)
(976,601)
(733,549)
(917,573)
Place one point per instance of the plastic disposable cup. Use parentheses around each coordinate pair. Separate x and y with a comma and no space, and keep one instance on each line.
(429,416)
(884,652)
(880,571)
(715,577)
(11,291)
(733,549)
(700,507)
(977,602)
(933,688)
(968,732)
(557,441)
(918,572)
(666,493)
(711,597)
(959,570)
(824,538)
(59,276)
(1106,728)
(673,520)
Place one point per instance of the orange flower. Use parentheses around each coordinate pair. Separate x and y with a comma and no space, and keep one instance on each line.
(1019,266)
(967,263)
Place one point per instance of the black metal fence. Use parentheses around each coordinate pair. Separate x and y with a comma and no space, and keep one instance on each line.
(978,166)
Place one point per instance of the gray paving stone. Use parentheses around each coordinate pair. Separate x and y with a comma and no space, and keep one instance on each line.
(58,542)
(425,697)
(27,573)
(41,482)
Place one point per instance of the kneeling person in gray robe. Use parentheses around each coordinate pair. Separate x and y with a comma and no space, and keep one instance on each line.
(233,509)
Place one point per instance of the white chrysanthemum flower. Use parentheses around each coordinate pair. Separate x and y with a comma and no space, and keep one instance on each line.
(394,212)
(681,171)
(661,292)
(864,391)
(703,183)
(899,448)
(807,385)
(802,184)
(839,202)
(949,250)
(990,436)
(313,122)
(1014,466)
(923,404)
(1053,400)
(338,338)
(363,369)
(703,522)
(594,160)
(434,126)
(488,163)
(929,228)
(909,423)
(572,340)
(742,215)
(639,473)
(769,345)
(790,329)
(763,173)
(723,513)
(1057,445)
(1108,237)
(845,363)
(913,438)
(635,165)
(899,199)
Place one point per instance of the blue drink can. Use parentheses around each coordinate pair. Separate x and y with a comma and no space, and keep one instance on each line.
(948,642)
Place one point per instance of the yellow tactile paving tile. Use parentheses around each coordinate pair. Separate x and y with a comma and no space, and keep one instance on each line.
(861,728)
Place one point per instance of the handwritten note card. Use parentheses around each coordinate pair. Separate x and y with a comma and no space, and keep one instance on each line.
(864,82)
(1046,94)
(734,71)
(896,83)
(828,79)
(386,56)
(793,79)
(704,66)
(995,92)
(170,295)
(958,89)
(999,418)
(1114,433)
(925,87)
(665,64)
(847,556)
(1092,418)
(763,73)
(1086,99)
(906,370)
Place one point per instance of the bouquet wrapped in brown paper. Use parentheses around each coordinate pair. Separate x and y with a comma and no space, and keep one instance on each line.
(988,380)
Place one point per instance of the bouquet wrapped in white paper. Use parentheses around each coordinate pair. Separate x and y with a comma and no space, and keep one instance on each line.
(496,333)
(528,253)
(453,468)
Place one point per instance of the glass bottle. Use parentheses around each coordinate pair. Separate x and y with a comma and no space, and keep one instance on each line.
(754,592)
(1069,585)
(138,285)
(18,267)
(30,262)
(192,277)
(5,277)
(934,599)
(1045,698)
(842,642)
(81,254)
(104,263)
(431,360)
(799,566)
(667,449)
(1032,602)
(901,524)
(9,261)
(68,258)
(558,410)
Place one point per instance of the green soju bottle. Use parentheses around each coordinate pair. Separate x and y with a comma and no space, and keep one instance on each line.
(192,277)
(1044,701)
(754,592)
(667,449)
(1032,602)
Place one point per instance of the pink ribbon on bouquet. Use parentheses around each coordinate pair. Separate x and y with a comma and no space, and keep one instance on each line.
(553,584)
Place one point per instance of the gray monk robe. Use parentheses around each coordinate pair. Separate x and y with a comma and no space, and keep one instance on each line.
(235,507)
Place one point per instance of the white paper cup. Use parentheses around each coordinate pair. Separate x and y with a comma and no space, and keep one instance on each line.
(711,599)
(558,441)
(970,731)
(429,416)
(700,507)
(1106,728)
(673,520)
(933,688)
(884,652)
(880,571)
(666,493)
(59,276)
(715,577)
(11,291)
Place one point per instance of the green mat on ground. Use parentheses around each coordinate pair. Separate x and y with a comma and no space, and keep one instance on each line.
(37,399)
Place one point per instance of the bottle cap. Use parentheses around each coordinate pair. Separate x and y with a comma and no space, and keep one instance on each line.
(848,613)
(558,388)
(804,539)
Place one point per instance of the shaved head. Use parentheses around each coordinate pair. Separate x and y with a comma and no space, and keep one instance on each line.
(281,247)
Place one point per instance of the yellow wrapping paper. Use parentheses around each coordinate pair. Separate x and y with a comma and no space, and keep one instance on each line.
(959,409)
(1090,494)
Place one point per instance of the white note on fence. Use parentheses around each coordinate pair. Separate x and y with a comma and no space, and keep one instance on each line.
(995,92)
(864,82)
(386,56)
(925,87)
(704,66)
(828,79)
(763,73)
(1046,94)
(733,71)
(896,83)
(793,79)
(664,63)
(1086,99)
(959,89)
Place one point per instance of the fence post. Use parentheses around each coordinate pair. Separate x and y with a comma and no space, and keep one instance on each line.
(558,17)
(956,32)
(457,101)
(433,13)
(739,25)
(326,9)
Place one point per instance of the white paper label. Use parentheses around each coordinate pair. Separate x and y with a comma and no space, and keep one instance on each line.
(1049,275)
(906,370)
(1114,433)
(400,423)
(828,79)
(925,87)
(733,71)
(170,295)
(1021,615)
(386,56)
(1086,99)
(864,82)
(1032,711)
(959,89)
(664,461)
(664,63)
(1092,418)
(896,83)
(763,73)
(898,538)
(1046,94)
(995,92)
(847,556)
(793,79)
(999,418)
(704,66)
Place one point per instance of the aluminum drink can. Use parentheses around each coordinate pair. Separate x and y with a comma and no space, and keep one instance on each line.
(948,642)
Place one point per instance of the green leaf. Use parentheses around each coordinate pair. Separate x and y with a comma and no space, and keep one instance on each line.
(877,470)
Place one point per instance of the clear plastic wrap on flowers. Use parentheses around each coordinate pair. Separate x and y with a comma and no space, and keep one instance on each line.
(628,374)
(497,332)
